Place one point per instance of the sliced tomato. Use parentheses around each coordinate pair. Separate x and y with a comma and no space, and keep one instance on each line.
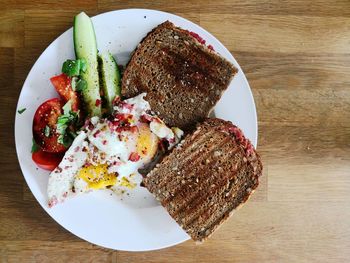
(63,86)
(44,126)
(47,161)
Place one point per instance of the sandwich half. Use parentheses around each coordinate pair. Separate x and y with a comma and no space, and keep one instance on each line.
(212,172)
(183,78)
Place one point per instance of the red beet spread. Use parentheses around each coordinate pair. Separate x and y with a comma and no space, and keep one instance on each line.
(249,149)
(200,39)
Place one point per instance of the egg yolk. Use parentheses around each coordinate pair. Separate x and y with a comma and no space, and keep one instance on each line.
(97,177)
(125,182)
(147,142)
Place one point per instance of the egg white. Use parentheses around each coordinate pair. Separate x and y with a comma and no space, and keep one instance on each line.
(102,145)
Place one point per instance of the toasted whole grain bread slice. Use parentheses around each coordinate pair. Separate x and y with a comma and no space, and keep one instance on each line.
(183,78)
(206,177)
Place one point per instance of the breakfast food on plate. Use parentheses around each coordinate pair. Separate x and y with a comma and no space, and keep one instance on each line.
(206,177)
(107,153)
(106,129)
(183,78)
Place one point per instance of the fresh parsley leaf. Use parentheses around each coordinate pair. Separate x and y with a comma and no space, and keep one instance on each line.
(78,84)
(47,131)
(74,67)
(71,67)
(62,124)
(67,119)
(81,85)
(64,121)
(21,110)
(35,146)
(65,140)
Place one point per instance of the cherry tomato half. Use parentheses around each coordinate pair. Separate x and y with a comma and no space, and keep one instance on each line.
(44,126)
(47,161)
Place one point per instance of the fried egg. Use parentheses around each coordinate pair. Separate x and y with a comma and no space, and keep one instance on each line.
(107,153)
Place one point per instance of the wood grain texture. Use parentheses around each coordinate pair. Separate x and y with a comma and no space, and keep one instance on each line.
(76,5)
(296,56)
(12,28)
(280,33)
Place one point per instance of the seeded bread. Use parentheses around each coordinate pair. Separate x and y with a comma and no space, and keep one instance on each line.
(183,78)
(206,177)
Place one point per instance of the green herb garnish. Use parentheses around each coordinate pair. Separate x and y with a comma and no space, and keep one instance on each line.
(66,140)
(35,146)
(74,67)
(21,110)
(81,85)
(64,122)
(78,84)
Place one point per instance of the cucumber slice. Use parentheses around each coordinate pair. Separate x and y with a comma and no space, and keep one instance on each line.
(110,79)
(85,47)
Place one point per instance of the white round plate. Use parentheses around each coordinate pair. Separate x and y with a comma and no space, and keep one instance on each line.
(100,217)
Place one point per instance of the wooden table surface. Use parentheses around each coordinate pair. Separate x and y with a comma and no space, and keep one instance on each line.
(296,56)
